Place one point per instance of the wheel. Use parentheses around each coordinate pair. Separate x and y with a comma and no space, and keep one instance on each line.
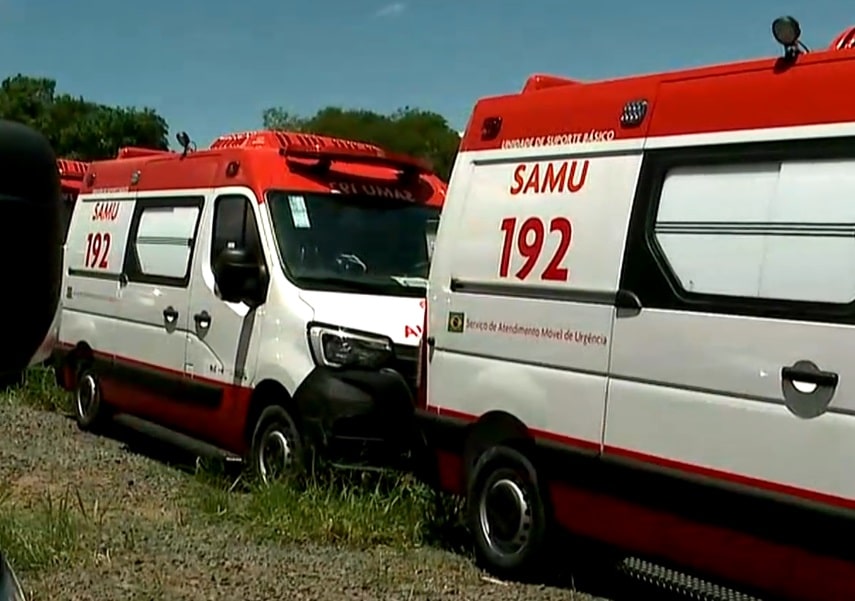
(507,514)
(277,449)
(88,409)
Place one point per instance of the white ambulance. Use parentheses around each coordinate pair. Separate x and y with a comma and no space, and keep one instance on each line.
(641,320)
(249,299)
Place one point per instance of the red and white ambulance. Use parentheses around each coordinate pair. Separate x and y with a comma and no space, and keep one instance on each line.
(641,320)
(250,298)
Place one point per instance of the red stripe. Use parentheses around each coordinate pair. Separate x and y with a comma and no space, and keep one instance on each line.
(748,481)
(718,553)
(158,368)
(688,468)
(722,554)
(223,426)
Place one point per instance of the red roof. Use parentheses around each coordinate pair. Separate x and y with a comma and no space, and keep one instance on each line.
(266,159)
(727,97)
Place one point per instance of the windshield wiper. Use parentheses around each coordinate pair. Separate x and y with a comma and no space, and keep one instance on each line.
(410,281)
(348,283)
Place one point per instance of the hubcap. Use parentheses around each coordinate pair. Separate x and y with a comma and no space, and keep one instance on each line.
(505,516)
(87,389)
(276,456)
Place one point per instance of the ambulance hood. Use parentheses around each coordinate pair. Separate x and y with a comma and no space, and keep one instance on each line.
(399,318)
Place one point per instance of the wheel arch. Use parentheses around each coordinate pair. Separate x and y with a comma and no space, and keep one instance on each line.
(266,393)
(492,429)
(66,370)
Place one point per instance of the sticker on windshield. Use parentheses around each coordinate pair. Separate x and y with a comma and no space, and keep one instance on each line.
(299,214)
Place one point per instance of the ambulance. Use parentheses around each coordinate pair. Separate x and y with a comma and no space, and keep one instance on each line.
(641,321)
(71,176)
(255,300)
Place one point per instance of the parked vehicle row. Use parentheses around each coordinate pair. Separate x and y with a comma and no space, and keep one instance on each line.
(632,321)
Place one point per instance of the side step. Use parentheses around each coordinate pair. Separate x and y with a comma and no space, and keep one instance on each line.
(177,439)
(667,583)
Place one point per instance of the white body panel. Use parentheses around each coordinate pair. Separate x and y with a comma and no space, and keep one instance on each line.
(398,318)
(718,403)
(674,387)
(544,361)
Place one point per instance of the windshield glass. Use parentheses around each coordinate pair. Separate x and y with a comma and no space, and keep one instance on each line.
(353,242)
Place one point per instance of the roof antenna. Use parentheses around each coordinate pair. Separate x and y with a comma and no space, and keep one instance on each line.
(185,142)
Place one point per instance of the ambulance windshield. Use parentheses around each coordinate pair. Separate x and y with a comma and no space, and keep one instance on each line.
(354,243)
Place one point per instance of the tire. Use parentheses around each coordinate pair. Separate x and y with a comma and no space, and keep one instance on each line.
(89,411)
(277,451)
(507,514)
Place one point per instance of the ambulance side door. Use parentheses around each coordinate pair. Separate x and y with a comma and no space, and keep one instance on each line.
(220,361)
(155,299)
(740,364)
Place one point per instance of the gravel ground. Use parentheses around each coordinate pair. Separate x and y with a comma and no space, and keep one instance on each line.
(140,542)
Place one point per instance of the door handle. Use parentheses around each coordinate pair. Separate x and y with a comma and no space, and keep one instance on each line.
(203,320)
(799,399)
(170,314)
(799,373)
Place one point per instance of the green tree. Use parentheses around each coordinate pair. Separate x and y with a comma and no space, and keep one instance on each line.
(78,128)
(410,131)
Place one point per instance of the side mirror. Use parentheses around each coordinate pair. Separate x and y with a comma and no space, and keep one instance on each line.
(240,277)
(10,588)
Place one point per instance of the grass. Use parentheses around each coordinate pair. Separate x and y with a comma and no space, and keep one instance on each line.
(40,391)
(359,509)
(44,534)
(355,509)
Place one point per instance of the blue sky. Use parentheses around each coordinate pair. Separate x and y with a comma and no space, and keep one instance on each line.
(212,66)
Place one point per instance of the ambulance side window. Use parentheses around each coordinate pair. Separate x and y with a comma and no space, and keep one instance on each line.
(162,238)
(766,231)
(234,226)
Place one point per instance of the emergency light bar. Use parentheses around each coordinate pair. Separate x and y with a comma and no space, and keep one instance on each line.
(324,150)
(71,170)
(380,158)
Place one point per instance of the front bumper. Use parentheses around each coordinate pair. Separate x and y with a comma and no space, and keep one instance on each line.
(343,408)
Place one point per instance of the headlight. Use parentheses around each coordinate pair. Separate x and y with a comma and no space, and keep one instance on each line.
(336,347)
